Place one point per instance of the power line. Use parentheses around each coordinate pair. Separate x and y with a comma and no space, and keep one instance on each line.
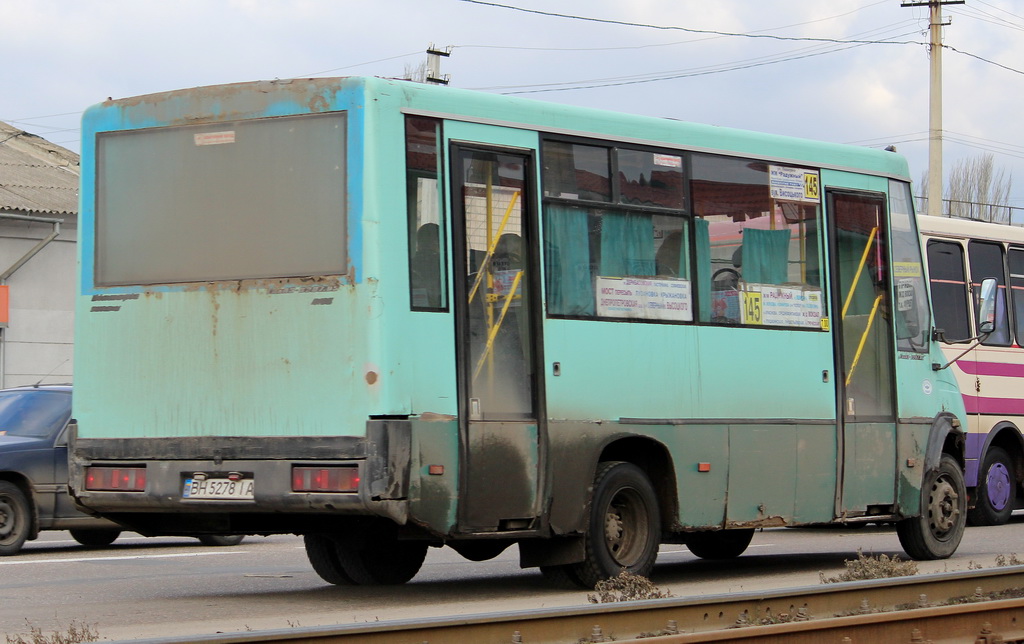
(759,61)
(626,23)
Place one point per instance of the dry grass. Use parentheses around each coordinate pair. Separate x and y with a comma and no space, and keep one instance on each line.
(626,587)
(872,567)
(75,634)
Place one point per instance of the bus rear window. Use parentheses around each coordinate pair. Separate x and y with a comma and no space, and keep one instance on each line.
(262,198)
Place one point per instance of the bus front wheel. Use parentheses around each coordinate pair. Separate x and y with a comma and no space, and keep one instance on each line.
(936,533)
(624,530)
(996,491)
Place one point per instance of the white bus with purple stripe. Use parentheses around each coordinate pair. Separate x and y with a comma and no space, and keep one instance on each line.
(990,369)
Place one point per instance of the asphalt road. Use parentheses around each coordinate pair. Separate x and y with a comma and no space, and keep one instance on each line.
(145,588)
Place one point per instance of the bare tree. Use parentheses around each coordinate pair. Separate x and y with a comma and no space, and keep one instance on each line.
(417,73)
(975,189)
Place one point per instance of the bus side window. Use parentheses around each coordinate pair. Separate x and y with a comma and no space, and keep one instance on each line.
(1015,260)
(949,289)
(753,247)
(986,260)
(423,201)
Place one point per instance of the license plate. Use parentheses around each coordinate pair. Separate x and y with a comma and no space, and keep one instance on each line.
(218,489)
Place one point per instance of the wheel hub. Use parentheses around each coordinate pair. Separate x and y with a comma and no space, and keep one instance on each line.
(943,506)
(6,520)
(998,485)
(613,530)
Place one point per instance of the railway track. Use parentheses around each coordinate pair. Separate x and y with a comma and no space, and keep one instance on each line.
(983,606)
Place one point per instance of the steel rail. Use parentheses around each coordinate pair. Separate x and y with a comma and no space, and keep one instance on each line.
(863,611)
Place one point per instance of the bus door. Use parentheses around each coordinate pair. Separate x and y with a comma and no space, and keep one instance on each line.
(865,382)
(497,339)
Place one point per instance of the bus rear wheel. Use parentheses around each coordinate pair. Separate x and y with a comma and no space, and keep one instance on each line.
(624,529)
(997,490)
(720,544)
(370,554)
(95,538)
(936,533)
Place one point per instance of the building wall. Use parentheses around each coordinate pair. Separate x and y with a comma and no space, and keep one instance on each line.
(37,344)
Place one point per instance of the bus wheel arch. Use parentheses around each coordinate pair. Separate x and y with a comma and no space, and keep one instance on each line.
(654,459)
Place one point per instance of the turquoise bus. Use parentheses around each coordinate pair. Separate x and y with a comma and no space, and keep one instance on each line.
(389,316)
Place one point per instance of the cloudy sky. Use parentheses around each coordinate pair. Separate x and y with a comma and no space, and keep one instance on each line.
(850,71)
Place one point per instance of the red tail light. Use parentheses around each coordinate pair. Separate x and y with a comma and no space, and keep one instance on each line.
(117,479)
(325,479)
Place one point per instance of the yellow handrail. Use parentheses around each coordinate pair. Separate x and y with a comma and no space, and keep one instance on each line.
(864,338)
(493,333)
(493,245)
(860,269)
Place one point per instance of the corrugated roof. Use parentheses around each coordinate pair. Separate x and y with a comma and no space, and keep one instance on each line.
(36,176)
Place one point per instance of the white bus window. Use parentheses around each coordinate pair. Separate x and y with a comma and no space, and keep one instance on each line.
(986,260)
(949,289)
(1015,261)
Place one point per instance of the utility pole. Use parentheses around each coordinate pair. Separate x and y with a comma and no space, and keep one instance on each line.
(434,56)
(934,100)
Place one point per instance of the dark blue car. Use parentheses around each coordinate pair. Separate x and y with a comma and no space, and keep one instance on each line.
(34,472)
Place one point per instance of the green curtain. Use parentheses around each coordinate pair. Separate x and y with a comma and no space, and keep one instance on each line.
(567,261)
(627,245)
(765,256)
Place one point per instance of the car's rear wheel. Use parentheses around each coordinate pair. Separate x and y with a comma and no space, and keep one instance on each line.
(14,518)
(95,538)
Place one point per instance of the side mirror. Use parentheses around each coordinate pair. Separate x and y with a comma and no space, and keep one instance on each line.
(987,307)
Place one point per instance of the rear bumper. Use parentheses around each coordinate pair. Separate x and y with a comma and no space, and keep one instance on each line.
(382,459)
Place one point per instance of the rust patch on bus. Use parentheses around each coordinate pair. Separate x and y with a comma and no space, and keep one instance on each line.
(434,417)
(766,522)
(216,104)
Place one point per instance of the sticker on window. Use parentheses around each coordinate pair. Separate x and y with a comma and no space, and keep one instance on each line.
(645,299)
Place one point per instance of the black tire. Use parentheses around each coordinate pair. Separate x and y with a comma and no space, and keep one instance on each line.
(996,494)
(378,558)
(322,552)
(480,549)
(624,530)
(561,576)
(15,517)
(95,538)
(720,544)
(220,539)
(937,532)
(369,555)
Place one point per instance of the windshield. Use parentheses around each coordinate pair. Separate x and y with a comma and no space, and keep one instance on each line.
(33,412)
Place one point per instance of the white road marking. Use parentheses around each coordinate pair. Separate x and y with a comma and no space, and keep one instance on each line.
(81,559)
